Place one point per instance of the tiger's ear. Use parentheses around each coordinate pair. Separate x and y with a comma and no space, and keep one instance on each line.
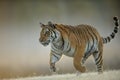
(41,25)
(51,25)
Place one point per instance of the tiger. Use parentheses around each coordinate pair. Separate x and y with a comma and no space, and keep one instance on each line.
(78,42)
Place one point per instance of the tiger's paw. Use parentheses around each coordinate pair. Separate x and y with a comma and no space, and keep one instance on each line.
(52,67)
(100,72)
(54,71)
(83,69)
(78,73)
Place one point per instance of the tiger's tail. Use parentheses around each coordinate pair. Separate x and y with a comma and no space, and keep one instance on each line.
(112,35)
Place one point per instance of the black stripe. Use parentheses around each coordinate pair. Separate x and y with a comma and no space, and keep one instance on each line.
(97,57)
(112,35)
(55,34)
(87,50)
(63,42)
(116,24)
(115,30)
(52,35)
(99,66)
(92,47)
(55,52)
(55,56)
(96,51)
(115,18)
(105,40)
(108,38)
(99,60)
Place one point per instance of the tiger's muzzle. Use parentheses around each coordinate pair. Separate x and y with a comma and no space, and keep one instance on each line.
(44,43)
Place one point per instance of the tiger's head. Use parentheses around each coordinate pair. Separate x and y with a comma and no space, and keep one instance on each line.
(48,33)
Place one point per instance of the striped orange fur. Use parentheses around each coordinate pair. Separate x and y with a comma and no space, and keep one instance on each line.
(78,42)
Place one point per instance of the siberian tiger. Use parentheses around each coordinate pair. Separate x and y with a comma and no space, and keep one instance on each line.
(78,42)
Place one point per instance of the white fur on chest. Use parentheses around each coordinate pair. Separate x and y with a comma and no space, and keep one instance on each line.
(66,49)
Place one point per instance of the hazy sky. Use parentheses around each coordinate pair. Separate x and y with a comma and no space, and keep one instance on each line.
(20,29)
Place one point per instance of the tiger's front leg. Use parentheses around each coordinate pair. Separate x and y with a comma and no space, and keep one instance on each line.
(52,67)
(54,57)
(77,60)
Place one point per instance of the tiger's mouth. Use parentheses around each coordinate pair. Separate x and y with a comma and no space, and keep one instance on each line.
(45,43)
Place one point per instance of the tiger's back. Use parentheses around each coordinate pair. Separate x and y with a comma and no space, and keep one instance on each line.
(81,35)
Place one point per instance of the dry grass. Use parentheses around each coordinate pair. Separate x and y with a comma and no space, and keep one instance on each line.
(107,75)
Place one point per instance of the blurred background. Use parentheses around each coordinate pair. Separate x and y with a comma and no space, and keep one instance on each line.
(22,55)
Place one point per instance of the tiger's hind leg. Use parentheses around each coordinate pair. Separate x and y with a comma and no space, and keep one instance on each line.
(85,57)
(98,61)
